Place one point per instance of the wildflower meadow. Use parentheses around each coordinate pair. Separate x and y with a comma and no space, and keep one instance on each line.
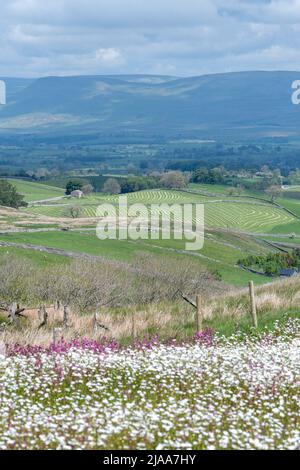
(208,393)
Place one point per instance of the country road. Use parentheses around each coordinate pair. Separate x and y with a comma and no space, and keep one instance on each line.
(44,201)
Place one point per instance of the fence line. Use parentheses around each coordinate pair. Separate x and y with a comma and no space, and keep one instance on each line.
(14,312)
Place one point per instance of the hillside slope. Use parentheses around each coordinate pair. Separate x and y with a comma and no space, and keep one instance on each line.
(235,104)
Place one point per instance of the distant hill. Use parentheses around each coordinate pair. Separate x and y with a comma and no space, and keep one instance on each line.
(245,104)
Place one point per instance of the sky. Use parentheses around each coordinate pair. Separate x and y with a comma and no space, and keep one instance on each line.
(162,37)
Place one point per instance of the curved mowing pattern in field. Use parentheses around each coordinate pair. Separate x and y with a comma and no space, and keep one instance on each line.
(247,216)
(158,196)
(49,211)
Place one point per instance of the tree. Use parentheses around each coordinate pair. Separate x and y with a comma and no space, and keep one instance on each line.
(41,173)
(138,183)
(111,186)
(9,196)
(274,192)
(132,169)
(213,176)
(201,175)
(173,180)
(87,189)
(73,185)
(294,177)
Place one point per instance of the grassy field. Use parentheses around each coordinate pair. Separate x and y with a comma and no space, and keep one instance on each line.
(33,191)
(228,219)
(38,258)
(145,375)
(220,253)
(291,204)
(247,215)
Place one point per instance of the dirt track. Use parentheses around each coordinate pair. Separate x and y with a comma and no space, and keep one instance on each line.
(49,250)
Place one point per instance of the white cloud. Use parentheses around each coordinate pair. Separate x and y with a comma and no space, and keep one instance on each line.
(181,37)
(109,55)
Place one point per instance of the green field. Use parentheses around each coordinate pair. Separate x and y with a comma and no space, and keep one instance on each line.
(234,226)
(39,258)
(220,253)
(36,191)
(248,215)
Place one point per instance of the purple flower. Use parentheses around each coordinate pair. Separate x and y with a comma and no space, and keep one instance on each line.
(205,337)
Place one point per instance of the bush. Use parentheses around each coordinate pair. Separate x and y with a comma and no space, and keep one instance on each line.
(138,183)
(111,186)
(86,285)
(73,185)
(9,196)
(273,263)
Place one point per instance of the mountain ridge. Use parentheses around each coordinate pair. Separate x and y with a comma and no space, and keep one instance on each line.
(232,104)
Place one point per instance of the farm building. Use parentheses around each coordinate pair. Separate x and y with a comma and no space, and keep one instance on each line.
(77,193)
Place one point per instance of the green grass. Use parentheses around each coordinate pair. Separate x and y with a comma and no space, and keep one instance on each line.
(223,189)
(246,215)
(40,259)
(290,204)
(221,251)
(215,256)
(35,191)
(78,242)
(282,239)
(230,325)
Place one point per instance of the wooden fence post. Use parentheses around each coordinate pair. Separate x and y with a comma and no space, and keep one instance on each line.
(199,314)
(40,314)
(43,315)
(2,348)
(97,325)
(67,314)
(133,326)
(12,312)
(253,304)
(95,322)
(56,332)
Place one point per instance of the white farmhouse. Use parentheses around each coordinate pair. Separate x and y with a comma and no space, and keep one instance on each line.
(77,193)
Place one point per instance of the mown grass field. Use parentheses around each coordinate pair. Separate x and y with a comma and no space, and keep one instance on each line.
(229,212)
(33,191)
(228,220)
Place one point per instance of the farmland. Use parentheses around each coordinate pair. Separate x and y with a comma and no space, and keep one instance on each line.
(234,225)
(228,212)
(33,191)
(139,374)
